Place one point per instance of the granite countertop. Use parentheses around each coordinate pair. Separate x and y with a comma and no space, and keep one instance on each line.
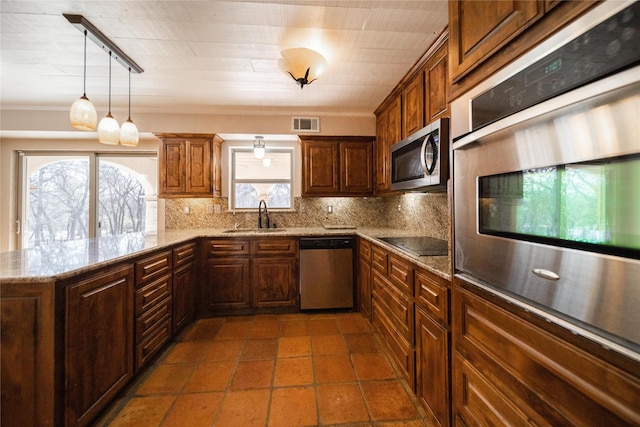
(66,259)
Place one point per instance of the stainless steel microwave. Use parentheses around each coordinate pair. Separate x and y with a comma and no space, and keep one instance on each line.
(420,162)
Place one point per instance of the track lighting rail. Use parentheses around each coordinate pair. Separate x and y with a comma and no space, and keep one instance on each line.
(82,24)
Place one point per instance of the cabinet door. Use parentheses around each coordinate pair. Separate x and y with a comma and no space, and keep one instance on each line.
(436,95)
(98,342)
(172,167)
(356,168)
(364,278)
(198,171)
(321,168)
(413,105)
(388,132)
(227,283)
(479,28)
(274,282)
(184,296)
(432,368)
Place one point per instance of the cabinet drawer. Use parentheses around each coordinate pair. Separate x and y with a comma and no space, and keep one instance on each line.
(184,254)
(365,250)
(152,294)
(149,346)
(401,274)
(151,268)
(151,318)
(432,294)
(274,246)
(227,247)
(402,351)
(398,307)
(379,259)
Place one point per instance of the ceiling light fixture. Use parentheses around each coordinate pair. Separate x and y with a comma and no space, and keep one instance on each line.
(258,147)
(129,135)
(83,114)
(108,129)
(302,64)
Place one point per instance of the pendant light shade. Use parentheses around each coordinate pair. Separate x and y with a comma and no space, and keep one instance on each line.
(108,129)
(129,135)
(258,147)
(302,64)
(83,114)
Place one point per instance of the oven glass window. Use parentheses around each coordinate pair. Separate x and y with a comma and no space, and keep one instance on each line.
(592,206)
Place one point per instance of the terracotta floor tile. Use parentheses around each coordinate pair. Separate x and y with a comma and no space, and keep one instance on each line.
(252,374)
(332,368)
(244,408)
(372,366)
(143,412)
(341,403)
(210,376)
(294,346)
(203,329)
(328,344)
(224,350)
(292,407)
(294,327)
(293,371)
(187,352)
(234,329)
(256,349)
(352,323)
(166,379)
(324,326)
(361,343)
(388,400)
(403,423)
(265,328)
(194,410)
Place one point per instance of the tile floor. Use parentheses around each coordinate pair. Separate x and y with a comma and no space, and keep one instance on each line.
(271,370)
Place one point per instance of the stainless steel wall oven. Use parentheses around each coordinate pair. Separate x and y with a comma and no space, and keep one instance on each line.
(546,159)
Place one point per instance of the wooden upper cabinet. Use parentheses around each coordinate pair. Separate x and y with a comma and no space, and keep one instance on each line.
(356,167)
(189,165)
(479,28)
(413,104)
(320,167)
(388,132)
(337,165)
(436,82)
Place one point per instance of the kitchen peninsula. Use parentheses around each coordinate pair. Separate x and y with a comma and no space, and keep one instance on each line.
(100,309)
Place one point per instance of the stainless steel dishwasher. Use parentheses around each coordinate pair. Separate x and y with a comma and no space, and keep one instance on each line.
(326,272)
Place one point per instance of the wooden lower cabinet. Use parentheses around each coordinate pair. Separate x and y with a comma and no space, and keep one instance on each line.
(432,368)
(243,276)
(184,285)
(27,362)
(364,278)
(99,343)
(513,368)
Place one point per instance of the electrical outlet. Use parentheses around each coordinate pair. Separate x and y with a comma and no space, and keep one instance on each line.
(210,209)
(217,209)
(330,209)
(186,210)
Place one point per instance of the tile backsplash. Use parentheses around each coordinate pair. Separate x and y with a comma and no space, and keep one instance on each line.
(426,213)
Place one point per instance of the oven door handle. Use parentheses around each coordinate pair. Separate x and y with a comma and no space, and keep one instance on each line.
(430,149)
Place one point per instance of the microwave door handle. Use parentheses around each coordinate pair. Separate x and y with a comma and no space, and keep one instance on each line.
(430,166)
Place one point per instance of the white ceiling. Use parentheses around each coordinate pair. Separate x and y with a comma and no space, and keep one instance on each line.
(214,56)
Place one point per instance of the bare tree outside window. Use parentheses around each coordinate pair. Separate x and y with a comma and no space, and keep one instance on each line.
(58,202)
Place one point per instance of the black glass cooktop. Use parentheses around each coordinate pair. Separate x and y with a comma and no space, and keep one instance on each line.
(419,245)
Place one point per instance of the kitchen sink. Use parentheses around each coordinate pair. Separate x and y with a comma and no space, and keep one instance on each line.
(254,230)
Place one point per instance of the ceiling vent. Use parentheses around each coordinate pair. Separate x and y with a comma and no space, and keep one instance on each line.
(305,124)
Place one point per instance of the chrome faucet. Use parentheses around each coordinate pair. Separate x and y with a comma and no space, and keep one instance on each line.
(266,213)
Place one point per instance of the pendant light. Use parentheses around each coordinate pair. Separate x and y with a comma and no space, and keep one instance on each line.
(258,147)
(83,114)
(129,135)
(108,129)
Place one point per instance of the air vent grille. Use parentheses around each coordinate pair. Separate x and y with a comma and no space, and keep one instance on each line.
(305,124)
